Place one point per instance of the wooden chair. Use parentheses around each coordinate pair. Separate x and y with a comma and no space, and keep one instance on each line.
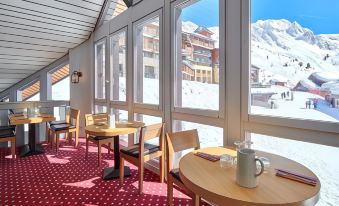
(49,124)
(91,119)
(176,142)
(148,151)
(67,129)
(7,134)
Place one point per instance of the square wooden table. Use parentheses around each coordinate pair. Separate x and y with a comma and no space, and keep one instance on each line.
(19,119)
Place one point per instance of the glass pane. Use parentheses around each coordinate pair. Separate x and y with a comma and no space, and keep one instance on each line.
(100,70)
(118,67)
(121,115)
(100,109)
(294,60)
(61,84)
(147,62)
(148,120)
(29,93)
(209,136)
(197,55)
(319,158)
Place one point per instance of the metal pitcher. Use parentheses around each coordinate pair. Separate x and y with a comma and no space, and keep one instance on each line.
(246,174)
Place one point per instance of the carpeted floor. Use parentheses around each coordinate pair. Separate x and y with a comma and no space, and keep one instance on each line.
(67,178)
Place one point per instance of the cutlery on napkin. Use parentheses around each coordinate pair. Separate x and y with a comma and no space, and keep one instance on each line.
(296,177)
(209,157)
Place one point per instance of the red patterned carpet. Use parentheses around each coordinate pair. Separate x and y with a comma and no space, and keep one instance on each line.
(67,178)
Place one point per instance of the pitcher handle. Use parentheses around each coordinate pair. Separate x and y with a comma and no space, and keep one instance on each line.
(261,165)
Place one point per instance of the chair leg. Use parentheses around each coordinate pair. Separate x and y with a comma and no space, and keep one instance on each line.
(47,133)
(57,137)
(86,148)
(99,154)
(76,138)
(52,137)
(109,147)
(141,177)
(196,200)
(121,170)
(13,145)
(169,190)
(161,168)
(70,137)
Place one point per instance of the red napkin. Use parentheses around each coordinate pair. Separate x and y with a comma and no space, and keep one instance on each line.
(209,157)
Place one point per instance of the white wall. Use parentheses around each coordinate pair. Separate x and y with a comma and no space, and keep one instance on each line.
(80,59)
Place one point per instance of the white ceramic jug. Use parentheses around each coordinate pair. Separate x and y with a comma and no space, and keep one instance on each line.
(246,175)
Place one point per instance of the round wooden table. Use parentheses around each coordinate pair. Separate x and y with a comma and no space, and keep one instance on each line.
(106,131)
(218,185)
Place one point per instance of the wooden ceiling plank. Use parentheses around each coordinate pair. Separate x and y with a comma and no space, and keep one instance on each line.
(83,4)
(18,51)
(18,66)
(39,34)
(26,23)
(34,41)
(56,17)
(19,62)
(28,46)
(43,19)
(49,10)
(64,7)
(13,76)
(27,58)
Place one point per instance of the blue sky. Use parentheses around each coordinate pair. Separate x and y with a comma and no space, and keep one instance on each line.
(321,16)
(204,13)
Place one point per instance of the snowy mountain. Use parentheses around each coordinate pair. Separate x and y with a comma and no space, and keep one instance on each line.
(283,48)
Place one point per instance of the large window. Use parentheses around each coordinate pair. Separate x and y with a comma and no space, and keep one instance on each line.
(61,84)
(294,59)
(147,62)
(30,92)
(316,157)
(100,64)
(118,67)
(197,55)
(209,136)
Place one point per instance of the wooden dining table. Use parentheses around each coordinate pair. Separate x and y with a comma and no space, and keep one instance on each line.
(105,130)
(218,184)
(19,119)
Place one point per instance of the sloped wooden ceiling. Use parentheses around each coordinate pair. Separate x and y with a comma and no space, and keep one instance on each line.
(35,33)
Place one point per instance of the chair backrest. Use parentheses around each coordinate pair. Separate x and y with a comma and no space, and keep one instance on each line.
(91,119)
(74,117)
(150,132)
(179,141)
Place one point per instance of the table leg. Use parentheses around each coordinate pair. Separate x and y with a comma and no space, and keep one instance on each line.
(113,172)
(32,148)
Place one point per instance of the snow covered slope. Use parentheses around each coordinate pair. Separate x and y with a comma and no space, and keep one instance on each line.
(287,49)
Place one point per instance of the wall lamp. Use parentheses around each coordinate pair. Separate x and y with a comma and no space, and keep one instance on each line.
(76,77)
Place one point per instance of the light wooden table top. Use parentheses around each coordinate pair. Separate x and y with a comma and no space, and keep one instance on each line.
(16,119)
(106,131)
(219,186)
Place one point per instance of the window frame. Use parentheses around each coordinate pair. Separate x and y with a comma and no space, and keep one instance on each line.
(220,113)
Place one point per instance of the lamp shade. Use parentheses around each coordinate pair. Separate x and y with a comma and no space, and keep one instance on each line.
(75,78)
